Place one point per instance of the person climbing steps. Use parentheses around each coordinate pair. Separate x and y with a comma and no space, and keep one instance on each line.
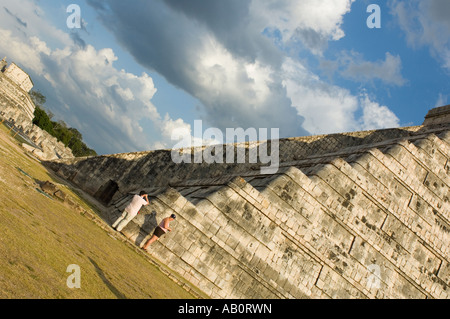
(160,230)
(131,210)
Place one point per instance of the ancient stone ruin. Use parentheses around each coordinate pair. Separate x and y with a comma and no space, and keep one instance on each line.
(354,215)
(17,110)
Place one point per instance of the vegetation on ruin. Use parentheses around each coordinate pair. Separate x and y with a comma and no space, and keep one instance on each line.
(69,136)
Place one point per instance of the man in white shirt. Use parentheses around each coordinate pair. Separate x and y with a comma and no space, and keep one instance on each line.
(131,210)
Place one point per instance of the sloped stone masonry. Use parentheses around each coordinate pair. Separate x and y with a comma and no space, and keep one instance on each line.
(340,208)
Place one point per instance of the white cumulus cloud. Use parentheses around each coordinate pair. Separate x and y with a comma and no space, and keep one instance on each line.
(388,71)
(425,24)
(106,104)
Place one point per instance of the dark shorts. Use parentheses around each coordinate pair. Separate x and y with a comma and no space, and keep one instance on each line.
(158,232)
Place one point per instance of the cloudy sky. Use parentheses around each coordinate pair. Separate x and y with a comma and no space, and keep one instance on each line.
(137,70)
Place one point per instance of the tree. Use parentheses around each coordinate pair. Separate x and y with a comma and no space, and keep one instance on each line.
(75,133)
(42,120)
(38,98)
(70,137)
(63,135)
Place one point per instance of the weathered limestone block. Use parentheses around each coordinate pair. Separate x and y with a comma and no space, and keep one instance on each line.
(49,187)
(189,251)
(378,240)
(399,233)
(437,150)
(333,285)
(390,280)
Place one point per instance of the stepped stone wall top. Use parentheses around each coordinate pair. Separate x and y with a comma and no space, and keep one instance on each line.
(19,76)
(438,115)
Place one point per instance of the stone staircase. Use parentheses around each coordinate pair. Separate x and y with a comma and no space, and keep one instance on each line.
(17,98)
(360,215)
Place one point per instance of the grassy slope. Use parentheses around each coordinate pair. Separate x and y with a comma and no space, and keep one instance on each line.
(41,237)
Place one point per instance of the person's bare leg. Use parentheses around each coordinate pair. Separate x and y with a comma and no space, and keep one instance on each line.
(149,242)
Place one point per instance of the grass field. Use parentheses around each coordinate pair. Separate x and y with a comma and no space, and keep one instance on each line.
(41,236)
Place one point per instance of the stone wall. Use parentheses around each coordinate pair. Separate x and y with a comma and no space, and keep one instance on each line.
(17,107)
(132,171)
(438,115)
(18,97)
(341,208)
(19,77)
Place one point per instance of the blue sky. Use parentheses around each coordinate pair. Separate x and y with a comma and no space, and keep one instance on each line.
(138,71)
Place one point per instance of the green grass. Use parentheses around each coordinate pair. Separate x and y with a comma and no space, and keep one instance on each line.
(40,237)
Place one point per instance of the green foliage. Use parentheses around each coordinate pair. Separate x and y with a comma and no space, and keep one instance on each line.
(70,137)
(42,120)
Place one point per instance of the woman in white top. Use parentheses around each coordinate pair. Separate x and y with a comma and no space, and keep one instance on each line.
(131,210)
(160,230)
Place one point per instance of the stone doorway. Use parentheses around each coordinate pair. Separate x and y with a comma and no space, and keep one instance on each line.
(107,192)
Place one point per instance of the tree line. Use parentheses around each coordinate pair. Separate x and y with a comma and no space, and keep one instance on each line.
(69,136)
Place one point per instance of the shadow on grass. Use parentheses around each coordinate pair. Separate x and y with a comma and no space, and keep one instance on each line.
(108,284)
